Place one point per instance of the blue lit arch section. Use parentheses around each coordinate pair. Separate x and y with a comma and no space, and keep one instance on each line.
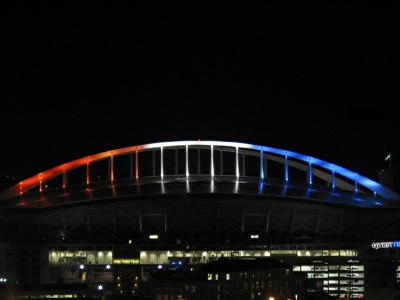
(285,157)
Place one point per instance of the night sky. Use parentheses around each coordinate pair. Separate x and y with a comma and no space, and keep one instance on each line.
(320,80)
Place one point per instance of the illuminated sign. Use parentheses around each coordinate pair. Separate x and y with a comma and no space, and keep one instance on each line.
(386,245)
(126,261)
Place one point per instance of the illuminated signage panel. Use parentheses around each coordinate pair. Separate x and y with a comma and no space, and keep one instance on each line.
(386,245)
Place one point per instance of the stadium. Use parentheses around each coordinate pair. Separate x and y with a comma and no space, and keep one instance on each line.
(129,210)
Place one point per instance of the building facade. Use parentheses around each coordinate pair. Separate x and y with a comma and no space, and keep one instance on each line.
(101,225)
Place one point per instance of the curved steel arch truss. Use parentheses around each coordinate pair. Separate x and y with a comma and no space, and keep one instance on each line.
(325,170)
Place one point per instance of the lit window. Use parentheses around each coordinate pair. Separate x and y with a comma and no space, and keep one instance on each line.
(228,276)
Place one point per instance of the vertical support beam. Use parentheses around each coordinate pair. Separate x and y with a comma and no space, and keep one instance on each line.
(267,219)
(261,164)
(260,186)
(40,183)
(243,164)
(87,173)
(198,162)
(154,162)
(187,185)
(187,161)
(333,180)
(212,161)
(137,164)
(65,180)
(176,162)
(112,168)
(162,162)
(131,165)
(286,168)
(309,173)
(221,162)
(237,163)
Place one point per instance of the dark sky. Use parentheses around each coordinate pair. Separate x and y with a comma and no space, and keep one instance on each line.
(77,80)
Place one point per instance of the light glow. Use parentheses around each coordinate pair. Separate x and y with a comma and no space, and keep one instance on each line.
(309,173)
(212,161)
(262,164)
(187,160)
(237,162)
(137,164)
(112,168)
(126,261)
(64,179)
(161,162)
(87,173)
(286,168)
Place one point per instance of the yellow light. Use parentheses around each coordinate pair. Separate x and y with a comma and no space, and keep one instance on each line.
(271,298)
(153,236)
(125,261)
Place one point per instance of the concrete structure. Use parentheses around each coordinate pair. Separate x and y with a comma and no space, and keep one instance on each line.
(123,212)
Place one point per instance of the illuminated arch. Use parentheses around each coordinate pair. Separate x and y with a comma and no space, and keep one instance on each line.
(326,170)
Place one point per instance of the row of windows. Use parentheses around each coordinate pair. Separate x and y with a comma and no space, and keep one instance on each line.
(335,275)
(325,268)
(162,257)
(352,296)
(344,282)
(345,288)
(80,257)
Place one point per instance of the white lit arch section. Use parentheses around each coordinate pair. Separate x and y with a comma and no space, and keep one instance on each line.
(326,170)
